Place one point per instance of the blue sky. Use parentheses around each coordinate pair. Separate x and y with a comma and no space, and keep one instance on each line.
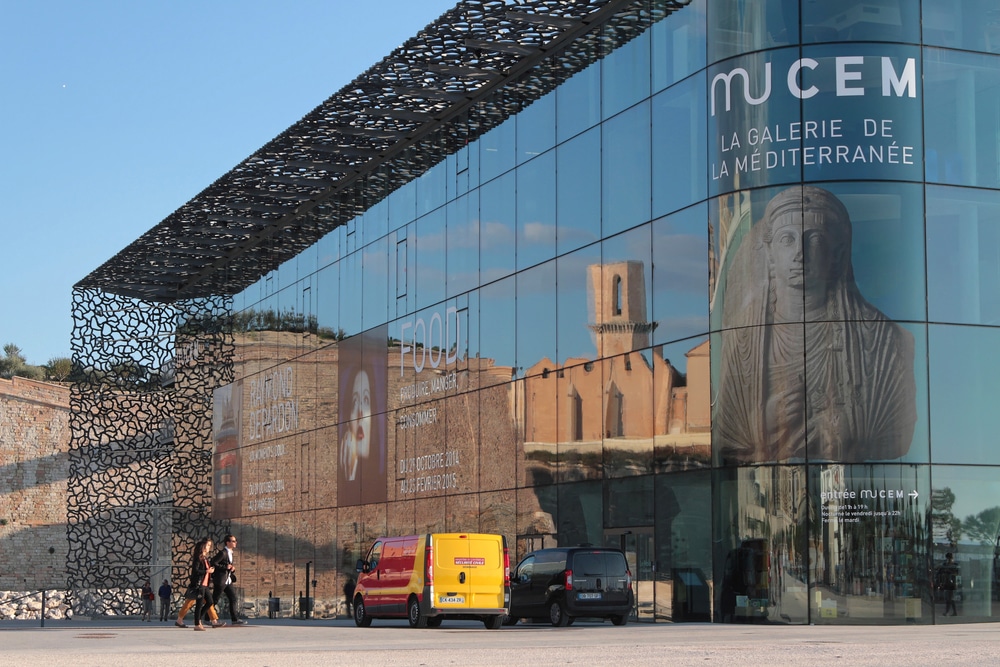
(114,114)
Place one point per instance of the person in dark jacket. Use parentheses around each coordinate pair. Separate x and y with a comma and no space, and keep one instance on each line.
(947,581)
(164,594)
(224,577)
(199,594)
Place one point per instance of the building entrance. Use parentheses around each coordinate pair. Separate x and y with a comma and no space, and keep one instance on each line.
(638,545)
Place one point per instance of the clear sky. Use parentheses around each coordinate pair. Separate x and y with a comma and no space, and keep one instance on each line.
(113,114)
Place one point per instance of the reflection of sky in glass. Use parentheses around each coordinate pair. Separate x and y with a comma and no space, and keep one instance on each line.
(573,305)
(680,274)
(976,489)
(965,384)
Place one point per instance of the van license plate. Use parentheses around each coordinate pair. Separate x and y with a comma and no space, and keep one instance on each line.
(450,599)
(588,596)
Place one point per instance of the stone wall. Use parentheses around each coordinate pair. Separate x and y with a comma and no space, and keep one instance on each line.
(34,464)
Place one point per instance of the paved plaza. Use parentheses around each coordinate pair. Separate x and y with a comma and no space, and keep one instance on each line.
(274,643)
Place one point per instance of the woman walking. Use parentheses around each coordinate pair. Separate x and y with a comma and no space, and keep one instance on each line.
(199,594)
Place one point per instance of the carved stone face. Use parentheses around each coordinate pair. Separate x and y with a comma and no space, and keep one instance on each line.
(786,252)
(803,251)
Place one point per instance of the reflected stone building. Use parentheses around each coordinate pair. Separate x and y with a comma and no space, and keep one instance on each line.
(712,282)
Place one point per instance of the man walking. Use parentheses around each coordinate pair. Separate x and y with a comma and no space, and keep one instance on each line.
(164,593)
(225,576)
(947,581)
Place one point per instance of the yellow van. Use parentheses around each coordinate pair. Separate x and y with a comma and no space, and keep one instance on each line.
(425,578)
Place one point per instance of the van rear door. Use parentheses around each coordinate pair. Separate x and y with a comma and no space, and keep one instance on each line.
(468,571)
(600,578)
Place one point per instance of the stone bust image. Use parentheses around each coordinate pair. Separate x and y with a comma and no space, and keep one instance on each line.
(809,369)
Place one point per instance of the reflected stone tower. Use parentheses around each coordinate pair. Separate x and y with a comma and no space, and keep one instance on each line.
(618,301)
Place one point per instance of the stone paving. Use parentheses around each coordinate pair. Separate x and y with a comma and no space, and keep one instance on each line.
(272,643)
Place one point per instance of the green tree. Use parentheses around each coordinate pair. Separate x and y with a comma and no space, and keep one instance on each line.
(13,364)
(58,369)
(945,525)
(983,527)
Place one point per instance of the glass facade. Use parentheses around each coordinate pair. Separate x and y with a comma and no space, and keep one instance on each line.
(727,298)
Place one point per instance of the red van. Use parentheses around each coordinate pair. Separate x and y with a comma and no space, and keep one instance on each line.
(425,578)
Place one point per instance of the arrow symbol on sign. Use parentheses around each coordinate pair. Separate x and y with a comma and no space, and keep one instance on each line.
(913,494)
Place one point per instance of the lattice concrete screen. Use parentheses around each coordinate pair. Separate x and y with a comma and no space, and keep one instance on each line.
(141,447)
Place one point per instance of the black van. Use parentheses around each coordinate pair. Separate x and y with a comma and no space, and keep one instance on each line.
(564,583)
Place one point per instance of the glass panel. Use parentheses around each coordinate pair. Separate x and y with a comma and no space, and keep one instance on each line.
(431,189)
(536,318)
(865,408)
(578,192)
(628,502)
(328,247)
(363,392)
(965,382)
(376,221)
(542,419)
(869,563)
(578,101)
(679,143)
(970,25)
(403,206)
(536,210)
(754,125)
(580,513)
(680,252)
(575,305)
(887,246)
(796,266)
(963,256)
(962,102)
(625,76)
(632,392)
(497,231)
(682,406)
(499,515)
(683,524)
(861,21)
(625,165)
(861,112)
(581,392)
(965,522)
(496,150)
(429,265)
(463,244)
(375,303)
(497,333)
(351,281)
(622,293)
(678,45)
(742,26)
(536,128)
(761,550)
(537,514)
(491,422)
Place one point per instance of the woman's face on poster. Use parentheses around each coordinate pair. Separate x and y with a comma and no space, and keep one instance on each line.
(361,413)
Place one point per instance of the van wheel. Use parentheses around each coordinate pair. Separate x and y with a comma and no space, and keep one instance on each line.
(435,621)
(620,620)
(557,614)
(510,620)
(493,622)
(361,617)
(413,615)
